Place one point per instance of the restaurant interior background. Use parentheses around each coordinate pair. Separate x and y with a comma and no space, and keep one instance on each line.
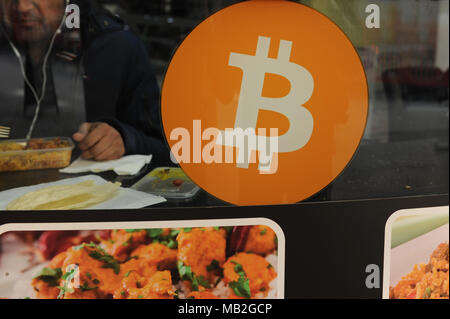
(404,151)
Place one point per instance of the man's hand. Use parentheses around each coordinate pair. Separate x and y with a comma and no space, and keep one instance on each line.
(99,141)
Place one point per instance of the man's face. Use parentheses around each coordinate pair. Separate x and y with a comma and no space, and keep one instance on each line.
(32,21)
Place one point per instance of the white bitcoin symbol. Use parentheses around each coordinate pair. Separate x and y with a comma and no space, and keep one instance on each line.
(251,100)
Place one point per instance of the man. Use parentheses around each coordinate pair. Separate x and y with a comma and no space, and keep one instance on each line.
(98,85)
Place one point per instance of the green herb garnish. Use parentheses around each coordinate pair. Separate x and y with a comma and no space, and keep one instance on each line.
(172,244)
(241,287)
(131,257)
(67,277)
(201,281)
(213,265)
(85,287)
(427,293)
(63,291)
(50,276)
(238,268)
(101,255)
(84,245)
(174,232)
(186,273)
(155,232)
(108,260)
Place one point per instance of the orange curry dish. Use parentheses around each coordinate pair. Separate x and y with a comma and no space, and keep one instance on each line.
(192,263)
(430,281)
(254,267)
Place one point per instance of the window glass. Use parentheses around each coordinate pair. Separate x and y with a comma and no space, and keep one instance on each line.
(405,147)
(404,151)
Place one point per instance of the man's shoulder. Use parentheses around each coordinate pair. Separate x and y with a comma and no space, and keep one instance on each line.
(111,33)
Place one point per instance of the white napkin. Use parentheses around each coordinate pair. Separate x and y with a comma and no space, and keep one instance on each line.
(127,165)
(126,199)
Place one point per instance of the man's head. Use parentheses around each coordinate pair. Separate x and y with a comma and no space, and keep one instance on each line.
(32,21)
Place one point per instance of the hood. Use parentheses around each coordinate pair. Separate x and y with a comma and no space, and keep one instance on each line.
(96,20)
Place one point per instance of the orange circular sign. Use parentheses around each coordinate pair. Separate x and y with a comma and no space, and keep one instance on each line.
(265,102)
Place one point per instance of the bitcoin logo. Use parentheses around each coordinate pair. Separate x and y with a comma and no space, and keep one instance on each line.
(251,100)
(264,102)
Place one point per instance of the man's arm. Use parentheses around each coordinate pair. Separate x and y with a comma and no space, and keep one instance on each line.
(122,91)
(138,114)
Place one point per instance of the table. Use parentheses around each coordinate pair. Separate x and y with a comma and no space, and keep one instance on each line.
(378,170)
(10,180)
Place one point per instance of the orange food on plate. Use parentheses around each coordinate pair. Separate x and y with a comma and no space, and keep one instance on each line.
(261,240)
(122,242)
(158,286)
(157,254)
(45,290)
(251,268)
(430,281)
(198,248)
(155,264)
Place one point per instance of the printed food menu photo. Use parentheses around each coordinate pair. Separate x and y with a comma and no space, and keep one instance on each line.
(418,267)
(228,262)
(239,152)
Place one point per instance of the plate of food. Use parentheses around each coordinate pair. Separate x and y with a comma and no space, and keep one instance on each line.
(419,267)
(236,262)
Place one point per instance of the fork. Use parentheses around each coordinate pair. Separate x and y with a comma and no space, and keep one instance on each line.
(4,131)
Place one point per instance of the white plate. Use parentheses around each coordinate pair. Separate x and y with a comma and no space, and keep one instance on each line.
(126,199)
(15,284)
(416,251)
